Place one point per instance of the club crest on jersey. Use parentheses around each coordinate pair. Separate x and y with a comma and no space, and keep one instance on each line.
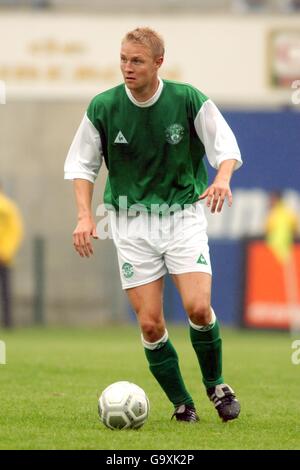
(174,133)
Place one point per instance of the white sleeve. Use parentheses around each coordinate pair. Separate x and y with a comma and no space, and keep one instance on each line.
(85,156)
(217,137)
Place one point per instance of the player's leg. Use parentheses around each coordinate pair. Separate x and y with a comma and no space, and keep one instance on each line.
(146,301)
(142,269)
(195,291)
(187,259)
(6,295)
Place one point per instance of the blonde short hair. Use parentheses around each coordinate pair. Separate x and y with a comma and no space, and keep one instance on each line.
(147,37)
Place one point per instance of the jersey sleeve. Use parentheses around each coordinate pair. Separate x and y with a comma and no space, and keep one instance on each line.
(85,156)
(216,135)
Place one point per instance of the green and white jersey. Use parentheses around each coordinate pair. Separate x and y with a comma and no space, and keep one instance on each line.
(153,150)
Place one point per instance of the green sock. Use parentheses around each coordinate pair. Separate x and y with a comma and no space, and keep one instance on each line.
(163,364)
(207,344)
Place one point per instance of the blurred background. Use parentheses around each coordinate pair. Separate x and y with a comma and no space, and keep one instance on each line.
(55,56)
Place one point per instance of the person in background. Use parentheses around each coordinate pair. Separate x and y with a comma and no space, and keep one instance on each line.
(11,233)
(282,226)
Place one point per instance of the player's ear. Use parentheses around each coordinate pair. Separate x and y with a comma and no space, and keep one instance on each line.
(159,61)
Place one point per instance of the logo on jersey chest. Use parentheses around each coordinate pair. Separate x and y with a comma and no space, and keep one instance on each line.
(174,133)
(120,139)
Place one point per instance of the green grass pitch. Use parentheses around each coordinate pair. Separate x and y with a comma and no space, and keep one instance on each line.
(52,378)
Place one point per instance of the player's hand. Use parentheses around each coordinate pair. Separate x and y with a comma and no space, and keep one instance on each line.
(85,229)
(216,194)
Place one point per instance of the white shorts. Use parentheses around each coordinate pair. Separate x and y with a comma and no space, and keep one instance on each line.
(149,246)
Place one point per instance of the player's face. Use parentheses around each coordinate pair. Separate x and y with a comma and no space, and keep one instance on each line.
(138,66)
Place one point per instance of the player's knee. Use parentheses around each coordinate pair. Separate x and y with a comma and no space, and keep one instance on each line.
(152,330)
(200,313)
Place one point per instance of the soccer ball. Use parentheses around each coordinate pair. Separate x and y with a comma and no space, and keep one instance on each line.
(123,405)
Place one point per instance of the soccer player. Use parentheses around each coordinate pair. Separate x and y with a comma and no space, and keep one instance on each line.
(153,135)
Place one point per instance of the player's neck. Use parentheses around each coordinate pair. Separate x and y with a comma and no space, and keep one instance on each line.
(145,93)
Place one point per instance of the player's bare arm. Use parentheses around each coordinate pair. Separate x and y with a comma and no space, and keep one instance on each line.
(219,190)
(86,227)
